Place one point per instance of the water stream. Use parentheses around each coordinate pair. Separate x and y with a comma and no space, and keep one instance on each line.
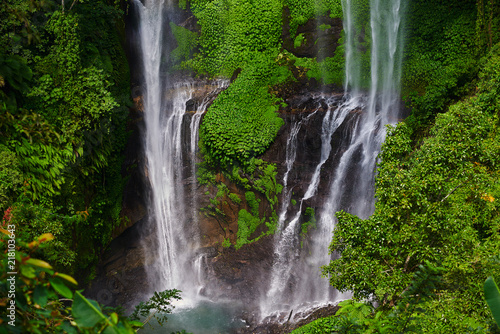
(295,280)
(296,283)
(176,263)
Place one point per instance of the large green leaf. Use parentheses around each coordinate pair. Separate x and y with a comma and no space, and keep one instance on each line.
(492,298)
(85,313)
(61,288)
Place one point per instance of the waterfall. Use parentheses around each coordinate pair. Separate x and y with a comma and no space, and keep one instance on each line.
(285,239)
(173,243)
(359,117)
(295,279)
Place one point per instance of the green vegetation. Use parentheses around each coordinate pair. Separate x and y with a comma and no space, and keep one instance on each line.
(444,44)
(64,92)
(242,122)
(244,37)
(310,223)
(42,300)
(302,11)
(186,41)
(423,255)
(437,202)
(258,178)
(492,296)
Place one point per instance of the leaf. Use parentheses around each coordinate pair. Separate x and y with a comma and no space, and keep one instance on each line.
(46,237)
(492,298)
(61,288)
(28,272)
(113,330)
(136,323)
(38,263)
(67,328)
(114,318)
(86,314)
(67,278)
(40,295)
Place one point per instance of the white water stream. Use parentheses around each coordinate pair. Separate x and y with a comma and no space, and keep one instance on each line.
(176,263)
(295,278)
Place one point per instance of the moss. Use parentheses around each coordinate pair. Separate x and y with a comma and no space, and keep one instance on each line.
(299,41)
(234,198)
(186,42)
(242,122)
(309,224)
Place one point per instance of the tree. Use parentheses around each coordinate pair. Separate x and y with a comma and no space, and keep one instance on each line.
(437,202)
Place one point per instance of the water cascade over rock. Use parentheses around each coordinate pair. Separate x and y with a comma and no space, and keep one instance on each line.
(326,155)
(176,263)
(296,282)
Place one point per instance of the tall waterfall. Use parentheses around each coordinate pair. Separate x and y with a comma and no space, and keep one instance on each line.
(360,115)
(295,277)
(164,100)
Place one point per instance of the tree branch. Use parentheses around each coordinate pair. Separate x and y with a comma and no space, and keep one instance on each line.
(71,5)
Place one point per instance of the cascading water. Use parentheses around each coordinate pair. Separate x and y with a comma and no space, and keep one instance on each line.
(295,278)
(164,100)
(194,159)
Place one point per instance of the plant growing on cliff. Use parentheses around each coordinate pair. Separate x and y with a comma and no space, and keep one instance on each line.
(242,122)
(310,223)
(436,203)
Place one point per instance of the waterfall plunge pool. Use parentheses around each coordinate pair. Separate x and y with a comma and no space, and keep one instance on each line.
(206,317)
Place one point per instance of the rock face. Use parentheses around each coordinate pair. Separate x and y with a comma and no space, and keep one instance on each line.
(230,273)
(316,42)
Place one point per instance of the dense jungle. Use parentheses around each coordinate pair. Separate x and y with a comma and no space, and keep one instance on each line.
(79,192)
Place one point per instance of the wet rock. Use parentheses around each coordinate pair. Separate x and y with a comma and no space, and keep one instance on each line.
(286,322)
(320,36)
(238,274)
(120,276)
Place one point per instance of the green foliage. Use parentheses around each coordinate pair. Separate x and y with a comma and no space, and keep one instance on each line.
(64,91)
(242,122)
(226,243)
(10,178)
(33,220)
(247,225)
(252,202)
(492,296)
(43,167)
(328,71)
(256,177)
(437,202)
(233,31)
(487,23)
(160,303)
(186,41)
(310,223)
(299,40)
(440,56)
(45,300)
(416,312)
(261,177)
(234,198)
(14,78)
(302,11)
